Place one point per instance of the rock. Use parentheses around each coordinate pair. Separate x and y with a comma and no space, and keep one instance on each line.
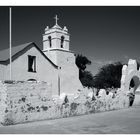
(111,94)
(90,95)
(64,98)
(102,93)
(95,91)
(77,94)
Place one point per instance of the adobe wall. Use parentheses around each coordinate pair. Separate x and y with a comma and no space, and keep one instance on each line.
(130,72)
(21,102)
(2,71)
(28,101)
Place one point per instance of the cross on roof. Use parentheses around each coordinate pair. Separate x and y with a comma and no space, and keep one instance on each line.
(56,19)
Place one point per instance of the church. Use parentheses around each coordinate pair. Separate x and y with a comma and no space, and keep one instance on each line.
(55,64)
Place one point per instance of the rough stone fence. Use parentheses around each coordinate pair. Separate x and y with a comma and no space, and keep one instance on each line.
(31,101)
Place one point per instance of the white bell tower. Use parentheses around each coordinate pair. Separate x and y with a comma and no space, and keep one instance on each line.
(56,37)
(56,48)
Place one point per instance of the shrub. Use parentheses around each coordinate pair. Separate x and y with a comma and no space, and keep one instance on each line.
(108,76)
(85,77)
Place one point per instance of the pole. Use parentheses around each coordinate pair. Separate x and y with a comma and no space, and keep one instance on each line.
(10,40)
(59,84)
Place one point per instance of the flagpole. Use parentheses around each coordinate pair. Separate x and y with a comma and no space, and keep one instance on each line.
(10,40)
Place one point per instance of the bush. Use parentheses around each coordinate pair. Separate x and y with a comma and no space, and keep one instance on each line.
(108,76)
(85,77)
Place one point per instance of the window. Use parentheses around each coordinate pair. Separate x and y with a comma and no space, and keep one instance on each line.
(50,42)
(62,41)
(31,63)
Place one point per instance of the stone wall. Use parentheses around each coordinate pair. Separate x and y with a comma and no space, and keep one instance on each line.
(23,100)
(29,101)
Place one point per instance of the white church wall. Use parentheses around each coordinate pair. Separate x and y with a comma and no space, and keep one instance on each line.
(45,71)
(65,58)
(60,54)
(52,56)
(69,73)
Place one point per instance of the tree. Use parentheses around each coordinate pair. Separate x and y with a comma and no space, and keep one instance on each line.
(85,77)
(82,61)
(108,76)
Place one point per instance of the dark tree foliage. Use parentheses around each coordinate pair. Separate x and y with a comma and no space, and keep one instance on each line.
(108,76)
(85,77)
(82,61)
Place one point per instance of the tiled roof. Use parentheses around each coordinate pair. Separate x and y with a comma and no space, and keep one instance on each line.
(19,50)
(4,54)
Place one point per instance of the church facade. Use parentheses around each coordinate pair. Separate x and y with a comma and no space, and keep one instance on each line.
(54,64)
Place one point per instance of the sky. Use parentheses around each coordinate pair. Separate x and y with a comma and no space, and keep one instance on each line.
(102,34)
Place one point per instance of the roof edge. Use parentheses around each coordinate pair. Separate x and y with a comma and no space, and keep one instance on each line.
(7,61)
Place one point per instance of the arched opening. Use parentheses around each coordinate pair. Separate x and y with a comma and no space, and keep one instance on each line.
(50,41)
(32,80)
(138,65)
(132,84)
(134,91)
(62,41)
